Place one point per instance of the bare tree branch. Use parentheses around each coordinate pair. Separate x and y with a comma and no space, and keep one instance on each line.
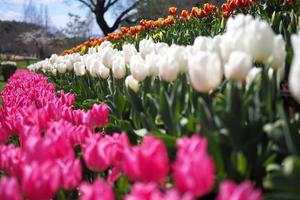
(90,5)
(110,4)
(123,14)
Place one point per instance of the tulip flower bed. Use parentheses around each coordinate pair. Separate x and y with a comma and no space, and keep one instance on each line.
(201,105)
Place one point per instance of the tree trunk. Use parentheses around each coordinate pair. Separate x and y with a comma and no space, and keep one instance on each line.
(99,12)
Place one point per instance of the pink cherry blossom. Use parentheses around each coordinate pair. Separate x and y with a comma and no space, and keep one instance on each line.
(245,191)
(98,190)
(147,162)
(193,170)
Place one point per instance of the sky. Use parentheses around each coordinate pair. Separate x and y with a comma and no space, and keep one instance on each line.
(58,11)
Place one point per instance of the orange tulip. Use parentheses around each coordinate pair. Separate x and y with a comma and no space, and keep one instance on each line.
(172,11)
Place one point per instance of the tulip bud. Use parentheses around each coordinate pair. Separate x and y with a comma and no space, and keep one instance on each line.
(259,40)
(279,53)
(100,70)
(161,47)
(294,80)
(151,63)
(61,68)
(53,58)
(9,189)
(79,69)
(118,67)
(138,68)
(132,83)
(238,66)
(129,50)
(146,47)
(104,45)
(107,55)
(69,64)
(230,191)
(205,71)
(200,43)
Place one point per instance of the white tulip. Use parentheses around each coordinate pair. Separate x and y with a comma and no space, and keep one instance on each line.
(53,69)
(53,58)
(79,69)
(100,70)
(294,76)
(138,68)
(92,50)
(119,67)
(239,22)
(161,47)
(69,64)
(61,68)
(279,53)
(205,71)
(76,57)
(132,83)
(238,66)
(146,47)
(107,55)
(168,68)
(151,63)
(201,43)
(103,45)
(129,50)
(180,55)
(259,38)
(252,75)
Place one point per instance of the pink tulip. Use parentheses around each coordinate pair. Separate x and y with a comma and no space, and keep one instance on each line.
(49,148)
(148,162)
(4,132)
(193,170)
(72,134)
(11,160)
(98,190)
(9,189)
(145,191)
(67,99)
(97,116)
(150,191)
(100,153)
(40,181)
(70,173)
(245,191)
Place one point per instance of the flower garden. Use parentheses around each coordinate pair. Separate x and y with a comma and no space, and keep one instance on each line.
(202,104)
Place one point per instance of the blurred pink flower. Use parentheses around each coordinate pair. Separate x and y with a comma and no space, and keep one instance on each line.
(9,189)
(100,152)
(193,170)
(12,160)
(245,191)
(147,162)
(150,191)
(97,116)
(70,173)
(98,190)
(40,181)
(145,191)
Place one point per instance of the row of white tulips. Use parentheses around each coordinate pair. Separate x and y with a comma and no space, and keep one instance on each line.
(246,41)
